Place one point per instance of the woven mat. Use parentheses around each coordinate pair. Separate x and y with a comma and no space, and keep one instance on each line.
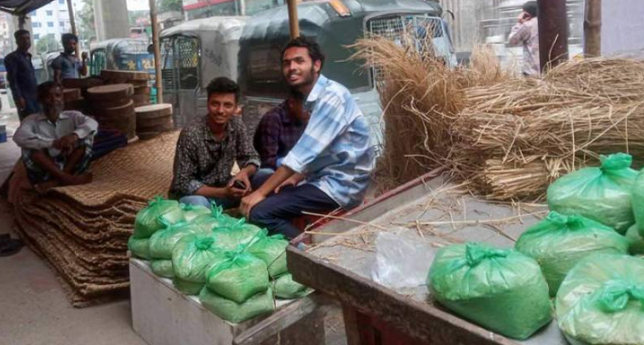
(137,172)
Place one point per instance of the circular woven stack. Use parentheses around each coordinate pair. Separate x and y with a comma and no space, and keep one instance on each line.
(73,100)
(113,107)
(138,79)
(152,120)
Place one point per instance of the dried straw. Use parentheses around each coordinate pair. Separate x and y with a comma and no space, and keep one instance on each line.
(508,136)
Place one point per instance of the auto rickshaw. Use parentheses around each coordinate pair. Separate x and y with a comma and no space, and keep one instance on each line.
(194,53)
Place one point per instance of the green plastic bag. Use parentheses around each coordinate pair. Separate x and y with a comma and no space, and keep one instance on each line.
(191,212)
(162,242)
(601,301)
(140,247)
(231,311)
(501,290)
(636,240)
(230,237)
(239,277)
(186,287)
(271,250)
(602,194)
(149,219)
(192,258)
(287,288)
(162,268)
(215,219)
(559,242)
(638,201)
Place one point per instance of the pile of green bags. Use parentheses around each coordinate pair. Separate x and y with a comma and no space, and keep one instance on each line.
(559,242)
(601,301)
(599,193)
(235,267)
(501,290)
(636,241)
(149,220)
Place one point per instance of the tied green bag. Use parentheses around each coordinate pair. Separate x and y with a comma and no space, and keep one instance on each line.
(214,219)
(190,212)
(231,311)
(501,290)
(271,250)
(601,301)
(140,247)
(162,242)
(238,234)
(638,201)
(636,240)
(602,194)
(559,242)
(239,277)
(287,288)
(192,257)
(162,268)
(149,219)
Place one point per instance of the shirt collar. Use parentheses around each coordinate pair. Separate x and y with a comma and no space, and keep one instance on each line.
(319,86)
(61,116)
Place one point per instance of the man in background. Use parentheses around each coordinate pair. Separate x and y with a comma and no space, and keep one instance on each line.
(67,65)
(22,76)
(526,33)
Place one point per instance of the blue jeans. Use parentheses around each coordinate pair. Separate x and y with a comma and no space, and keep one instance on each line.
(277,211)
(256,181)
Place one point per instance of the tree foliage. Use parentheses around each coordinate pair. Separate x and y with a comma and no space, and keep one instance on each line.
(48,43)
(85,19)
(169,5)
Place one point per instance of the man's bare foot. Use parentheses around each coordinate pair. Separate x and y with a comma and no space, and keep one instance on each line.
(43,188)
(80,179)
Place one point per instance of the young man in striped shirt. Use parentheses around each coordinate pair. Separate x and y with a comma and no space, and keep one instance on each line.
(330,165)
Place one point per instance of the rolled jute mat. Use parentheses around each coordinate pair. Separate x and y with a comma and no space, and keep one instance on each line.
(70,95)
(78,105)
(121,118)
(110,92)
(140,100)
(83,83)
(117,76)
(151,120)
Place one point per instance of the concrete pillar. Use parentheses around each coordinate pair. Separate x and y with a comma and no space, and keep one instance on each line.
(111,20)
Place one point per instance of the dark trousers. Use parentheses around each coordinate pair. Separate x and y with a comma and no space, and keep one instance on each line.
(278,210)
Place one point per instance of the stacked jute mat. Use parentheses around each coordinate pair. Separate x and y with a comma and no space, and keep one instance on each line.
(82,231)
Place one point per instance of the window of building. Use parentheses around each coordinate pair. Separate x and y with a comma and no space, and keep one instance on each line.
(50,24)
(36,36)
(33,13)
(35,25)
(61,24)
(50,13)
(62,2)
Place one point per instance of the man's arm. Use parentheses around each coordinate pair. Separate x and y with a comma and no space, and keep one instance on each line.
(82,70)
(12,67)
(247,158)
(85,125)
(57,67)
(520,32)
(26,137)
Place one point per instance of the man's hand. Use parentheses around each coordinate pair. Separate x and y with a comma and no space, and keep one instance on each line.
(21,103)
(242,176)
(248,202)
(232,192)
(294,180)
(523,17)
(84,56)
(67,143)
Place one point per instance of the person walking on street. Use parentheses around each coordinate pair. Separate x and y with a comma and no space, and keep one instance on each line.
(526,33)
(67,65)
(22,76)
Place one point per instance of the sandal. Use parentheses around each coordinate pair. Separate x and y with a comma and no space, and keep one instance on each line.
(10,247)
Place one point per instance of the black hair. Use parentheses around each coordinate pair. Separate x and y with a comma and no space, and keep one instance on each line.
(68,37)
(296,95)
(44,88)
(224,85)
(20,32)
(315,52)
(531,8)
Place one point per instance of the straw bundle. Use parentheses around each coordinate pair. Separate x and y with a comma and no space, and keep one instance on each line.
(508,137)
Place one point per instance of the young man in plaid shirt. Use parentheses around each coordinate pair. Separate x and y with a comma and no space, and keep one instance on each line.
(334,155)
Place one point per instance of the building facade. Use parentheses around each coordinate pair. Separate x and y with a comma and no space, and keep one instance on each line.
(50,19)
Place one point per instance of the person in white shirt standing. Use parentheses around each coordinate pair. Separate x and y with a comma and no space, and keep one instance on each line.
(56,145)
(526,33)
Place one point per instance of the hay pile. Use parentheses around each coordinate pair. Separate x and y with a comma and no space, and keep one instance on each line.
(508,136)
(82,231)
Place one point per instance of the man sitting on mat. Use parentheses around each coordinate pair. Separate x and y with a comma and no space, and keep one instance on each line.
(208,148)
(334,154)
(56,144)
(277,132)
